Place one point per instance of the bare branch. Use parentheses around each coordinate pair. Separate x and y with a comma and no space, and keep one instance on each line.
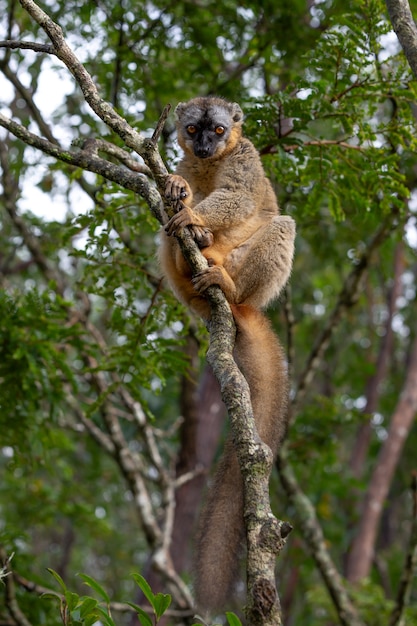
(12,44)
(373,384)
(100,145)
(103,440)
(131,465)
(10,591)
(316,544)
(87,160)
(144,147)
(27,96)
(160,125)
(9,195)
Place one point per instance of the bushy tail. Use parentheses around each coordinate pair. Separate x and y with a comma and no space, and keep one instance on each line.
(221,531)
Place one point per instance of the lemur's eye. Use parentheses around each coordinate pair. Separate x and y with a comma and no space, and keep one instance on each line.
(191,129)
(220,130)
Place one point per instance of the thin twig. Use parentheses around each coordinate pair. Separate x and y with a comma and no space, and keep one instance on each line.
(10,591)
(322,142)
(95,145)
(13,44)
(160,125)
(87,160)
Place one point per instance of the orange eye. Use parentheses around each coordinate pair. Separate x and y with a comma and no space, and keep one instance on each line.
(219,130)
(191,129)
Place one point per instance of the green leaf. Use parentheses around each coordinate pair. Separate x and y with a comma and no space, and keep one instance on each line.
(52,595)
(58,579)
(71,600)
(144,618)
(96,586)
(105,617)
(161,603)
(145,587)
(90,620)
(134,606)
(233,619)
(87,605)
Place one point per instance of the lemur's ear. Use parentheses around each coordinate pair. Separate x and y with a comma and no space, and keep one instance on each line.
(180,108)
(237,113)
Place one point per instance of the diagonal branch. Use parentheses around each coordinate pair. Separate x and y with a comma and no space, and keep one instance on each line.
(88,159)
(373,384)
(26,94)
(316,544)
(347,298)
(104,110)
(310,526)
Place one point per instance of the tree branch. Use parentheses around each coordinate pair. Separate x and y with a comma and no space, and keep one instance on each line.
(10,590)
(316,544)
(27,96)
(101,145)
(114,443)
(405,28)
(104,110)
(12,44)
(363,546)
(265,534)
(87,159)
(309,524)
(347,298)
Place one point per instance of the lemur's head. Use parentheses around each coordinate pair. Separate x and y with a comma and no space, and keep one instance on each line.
(208,127)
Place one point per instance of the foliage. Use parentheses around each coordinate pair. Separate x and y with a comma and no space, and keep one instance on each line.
(78,610)
(94,350)
(86,611)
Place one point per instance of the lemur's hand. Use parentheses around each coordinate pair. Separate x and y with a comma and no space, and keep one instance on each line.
(184,217)
(202,236)
(178,192)
(180,196)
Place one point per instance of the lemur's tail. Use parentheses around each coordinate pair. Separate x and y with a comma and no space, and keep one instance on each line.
(221,532)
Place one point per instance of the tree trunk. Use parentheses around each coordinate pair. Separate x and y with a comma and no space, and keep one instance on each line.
(362,550)
(405,28)
(204,413)
(364,434)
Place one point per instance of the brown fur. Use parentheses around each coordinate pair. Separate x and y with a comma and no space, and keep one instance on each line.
(221,528)
(227,196)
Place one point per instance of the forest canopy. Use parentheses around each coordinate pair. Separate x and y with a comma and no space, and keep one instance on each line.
(111,421)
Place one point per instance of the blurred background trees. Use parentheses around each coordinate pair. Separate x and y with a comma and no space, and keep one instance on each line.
(104,394)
